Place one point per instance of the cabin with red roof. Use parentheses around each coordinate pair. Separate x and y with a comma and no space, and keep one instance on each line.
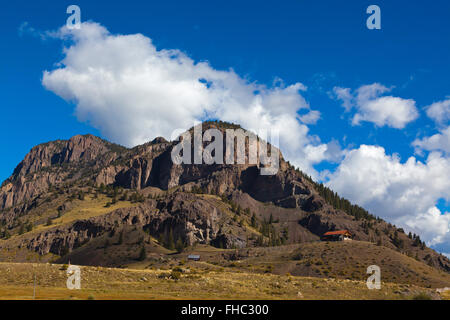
(338,235)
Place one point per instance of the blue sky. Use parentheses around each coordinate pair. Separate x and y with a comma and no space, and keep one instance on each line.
(322,44)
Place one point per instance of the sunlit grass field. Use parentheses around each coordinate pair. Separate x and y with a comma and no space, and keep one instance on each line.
(17,282)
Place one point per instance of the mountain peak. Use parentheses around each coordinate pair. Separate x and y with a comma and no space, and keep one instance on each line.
(52,173)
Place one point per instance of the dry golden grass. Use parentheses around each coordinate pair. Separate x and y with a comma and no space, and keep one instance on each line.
(16,282)
(350,259)
(88,208)
(446,295)
(84,210)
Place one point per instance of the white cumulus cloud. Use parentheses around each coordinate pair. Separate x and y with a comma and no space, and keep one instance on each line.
(403,193)
(133,92)
(345,95)
(371,106)
(311,117)
(437,142)
(439,111)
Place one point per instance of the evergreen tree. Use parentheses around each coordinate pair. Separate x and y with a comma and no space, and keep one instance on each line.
(21,229)
(142,254)
(170,241)
(253,221)
(417,242)
(260,241)
(120,238)
(179,246)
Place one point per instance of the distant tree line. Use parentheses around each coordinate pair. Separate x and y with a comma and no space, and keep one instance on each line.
(333,199)
(167,240)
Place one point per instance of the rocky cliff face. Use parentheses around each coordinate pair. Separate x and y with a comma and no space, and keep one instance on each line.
(292,198)
(55,163)
(78,149)
(95,160)
(188,218)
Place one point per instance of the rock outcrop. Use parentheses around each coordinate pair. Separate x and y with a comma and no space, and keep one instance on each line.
(100,162)
(187,217)
(55,163)
(60,166)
